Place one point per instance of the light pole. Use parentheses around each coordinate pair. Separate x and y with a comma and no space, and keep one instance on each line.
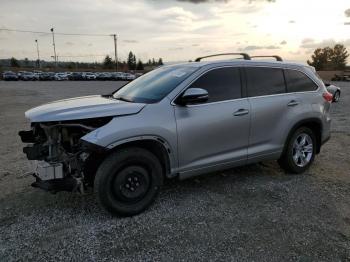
(115,52)
(54,45)
(37,49)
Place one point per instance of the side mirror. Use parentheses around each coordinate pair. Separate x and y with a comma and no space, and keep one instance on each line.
(327,84)
(193,96)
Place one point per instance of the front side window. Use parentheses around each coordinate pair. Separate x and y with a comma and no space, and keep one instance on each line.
(221,84)
(262,81)
(299,82)
(155,85)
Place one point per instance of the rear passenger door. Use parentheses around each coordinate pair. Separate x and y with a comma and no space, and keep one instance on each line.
(215,132)
(271,109)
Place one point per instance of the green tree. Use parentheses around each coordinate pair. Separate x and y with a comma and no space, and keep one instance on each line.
(329,58)
(160,61)
(153,61)
(339,56)
(131,61)
(26,62)
(14,62)
(139,65)
(108,62)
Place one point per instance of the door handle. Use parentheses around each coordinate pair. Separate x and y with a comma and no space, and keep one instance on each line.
(293,103)
(241,112)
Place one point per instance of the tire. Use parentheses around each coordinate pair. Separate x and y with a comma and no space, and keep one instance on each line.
(336,97)
(297,157)
(128,181)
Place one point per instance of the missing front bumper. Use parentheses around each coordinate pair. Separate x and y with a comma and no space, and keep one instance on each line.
(69,184)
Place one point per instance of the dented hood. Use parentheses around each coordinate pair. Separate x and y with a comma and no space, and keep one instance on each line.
(82,108)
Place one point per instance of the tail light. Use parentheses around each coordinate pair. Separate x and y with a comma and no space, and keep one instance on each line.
(328,97)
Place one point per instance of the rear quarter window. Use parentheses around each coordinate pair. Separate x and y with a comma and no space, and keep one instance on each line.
(298,81)
(263,81)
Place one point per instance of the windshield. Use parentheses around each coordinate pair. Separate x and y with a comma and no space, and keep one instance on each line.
(155,85)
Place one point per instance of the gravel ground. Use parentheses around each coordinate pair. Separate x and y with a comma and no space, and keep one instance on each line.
(252,213)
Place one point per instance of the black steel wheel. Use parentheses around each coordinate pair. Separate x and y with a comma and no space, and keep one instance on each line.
(128,181)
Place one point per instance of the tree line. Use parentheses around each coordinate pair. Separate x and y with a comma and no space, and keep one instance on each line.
(132,63)
(108,63)
(329,58)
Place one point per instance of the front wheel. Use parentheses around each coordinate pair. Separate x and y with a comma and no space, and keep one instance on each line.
(299,152)
(128,181)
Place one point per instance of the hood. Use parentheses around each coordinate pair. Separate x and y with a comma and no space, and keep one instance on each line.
(82,108)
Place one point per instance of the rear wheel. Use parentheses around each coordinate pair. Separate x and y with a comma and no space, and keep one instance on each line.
(128,181)
(299,152)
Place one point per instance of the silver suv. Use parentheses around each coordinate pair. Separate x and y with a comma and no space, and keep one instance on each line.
(178,121)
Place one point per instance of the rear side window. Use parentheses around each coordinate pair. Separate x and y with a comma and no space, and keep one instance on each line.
(298,81)
(263,81)
(221,84)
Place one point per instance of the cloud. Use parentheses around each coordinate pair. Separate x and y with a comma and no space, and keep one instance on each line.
(291,21)
(295,52)
(69,43)
(130,41)
(202,1)
(307,41)
(222,1)
(346,23)
(175,48)
(195,44)
(284,42)
(347,12)
(257,47)
(311,44)
(272,47)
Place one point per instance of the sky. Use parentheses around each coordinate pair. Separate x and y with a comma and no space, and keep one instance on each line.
(176,30)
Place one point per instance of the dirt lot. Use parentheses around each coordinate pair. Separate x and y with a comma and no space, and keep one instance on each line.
(253,213)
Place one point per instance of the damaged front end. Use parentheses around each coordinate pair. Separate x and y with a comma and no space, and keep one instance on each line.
(61,160)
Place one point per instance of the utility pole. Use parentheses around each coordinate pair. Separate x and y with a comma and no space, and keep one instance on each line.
(115,52)
(37,49)
(54,45)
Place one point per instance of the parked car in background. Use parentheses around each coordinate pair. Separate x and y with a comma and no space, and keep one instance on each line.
(117,76)
(105,76)
(335,91)
(138,75)
(129,76)
(19,73)
(61,77)
(27,76)
(89,76)
(52,75)
(44,76)
(9,76)
(37,74)
(76,76)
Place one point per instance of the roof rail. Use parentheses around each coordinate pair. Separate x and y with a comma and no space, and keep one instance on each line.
(244,55)
(278,58)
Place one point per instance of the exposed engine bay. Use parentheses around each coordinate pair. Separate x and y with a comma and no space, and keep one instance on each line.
(60,157)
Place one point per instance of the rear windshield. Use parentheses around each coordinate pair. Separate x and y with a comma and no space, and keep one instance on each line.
(155,85)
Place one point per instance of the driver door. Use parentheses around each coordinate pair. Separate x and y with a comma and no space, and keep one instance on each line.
(216,132)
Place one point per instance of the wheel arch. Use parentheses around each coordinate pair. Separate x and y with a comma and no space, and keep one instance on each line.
(314,124)
(156,145)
